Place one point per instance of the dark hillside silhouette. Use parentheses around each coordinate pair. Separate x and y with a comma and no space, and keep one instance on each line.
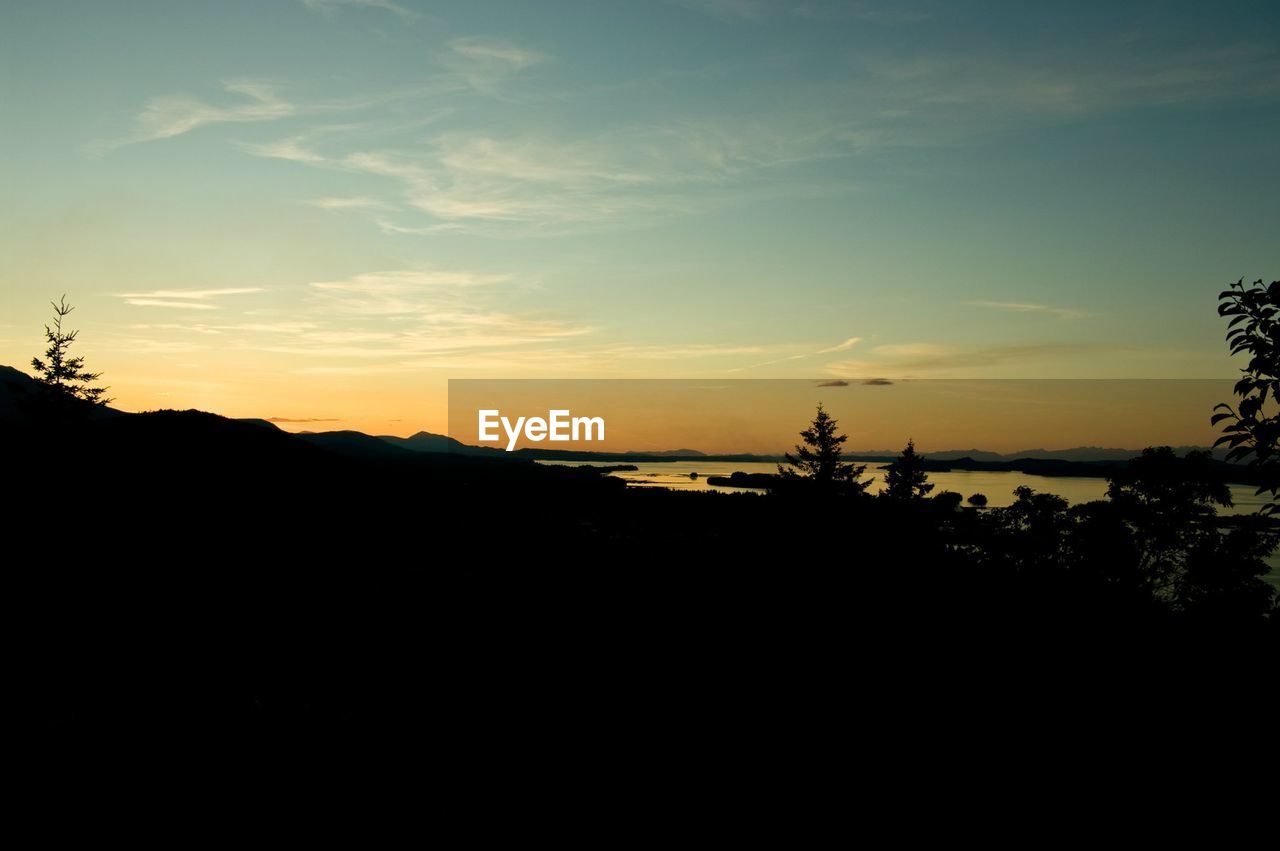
(273,582)
(262,583)
(24,399)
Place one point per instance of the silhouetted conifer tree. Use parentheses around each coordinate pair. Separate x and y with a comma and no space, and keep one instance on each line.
(818,458)
(905,478)
(61,373)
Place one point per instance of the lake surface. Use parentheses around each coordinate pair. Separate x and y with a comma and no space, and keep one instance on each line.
(998,486)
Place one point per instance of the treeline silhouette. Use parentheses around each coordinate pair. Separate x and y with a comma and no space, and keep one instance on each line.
(188,572)
(184,563)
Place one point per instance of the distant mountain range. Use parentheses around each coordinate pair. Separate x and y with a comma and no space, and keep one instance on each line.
(425,441)
(1079,453)
(16,387)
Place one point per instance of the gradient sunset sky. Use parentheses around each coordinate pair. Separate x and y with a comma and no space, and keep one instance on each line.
(321,210)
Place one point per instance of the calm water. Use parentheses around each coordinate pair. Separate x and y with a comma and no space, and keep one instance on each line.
(997,486)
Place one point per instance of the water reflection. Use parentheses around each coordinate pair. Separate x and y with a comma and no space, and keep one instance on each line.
(997,486)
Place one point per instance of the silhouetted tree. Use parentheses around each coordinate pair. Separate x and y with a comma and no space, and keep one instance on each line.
(818,459)
(1033,529)
(1254,330)
(61,373)
(1170,503)
(1101,550)
(1222,573)
(905,479)
(948,500)
(978,500)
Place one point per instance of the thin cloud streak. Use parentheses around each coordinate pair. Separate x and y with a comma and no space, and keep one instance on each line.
(157,302)
(331,7)
(909,359)
(839,347)
(192,294)
(184,299)
(411,280)
(842,347)
(173,115)
(355,203)
(1024,307)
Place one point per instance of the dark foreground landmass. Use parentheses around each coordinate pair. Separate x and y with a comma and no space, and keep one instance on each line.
(1236,474)
(185,574)
(1085,461)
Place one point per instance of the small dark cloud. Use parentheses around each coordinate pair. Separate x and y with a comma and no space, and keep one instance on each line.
(835,383)
(877,382)
(302,420)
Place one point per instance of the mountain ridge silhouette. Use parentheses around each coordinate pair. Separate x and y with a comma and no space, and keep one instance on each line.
(16,388)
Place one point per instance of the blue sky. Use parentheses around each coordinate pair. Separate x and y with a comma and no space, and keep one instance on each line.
(327,208)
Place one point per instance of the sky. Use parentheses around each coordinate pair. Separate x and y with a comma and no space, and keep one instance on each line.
(320,211)
(765,416)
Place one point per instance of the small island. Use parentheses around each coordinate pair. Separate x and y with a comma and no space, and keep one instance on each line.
(744,480)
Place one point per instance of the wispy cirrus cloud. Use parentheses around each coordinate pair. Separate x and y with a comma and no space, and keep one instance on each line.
(841,347)
(970,93)
(159,302)
(548,183)
(552,357)
(528,179)
(412,313)
(383,320)
(1027,307)
(228,328)
(439,227)
(174,326)
(845,346)
(402,281)
(167,116)
(197,294)
(906,360)
(496,52)
(330,7)
(173,115)
(185,299)
(826,11)
(728,10)
(290,149)
(350,203)
(486,63)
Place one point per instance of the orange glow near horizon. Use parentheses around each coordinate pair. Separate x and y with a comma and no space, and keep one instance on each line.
(766,416)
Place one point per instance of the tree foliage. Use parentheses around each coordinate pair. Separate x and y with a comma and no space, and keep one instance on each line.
(59,371)
(818,459)
(948,500)
(906,479)
(1253,425)
(1170,503)
(1155,544)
